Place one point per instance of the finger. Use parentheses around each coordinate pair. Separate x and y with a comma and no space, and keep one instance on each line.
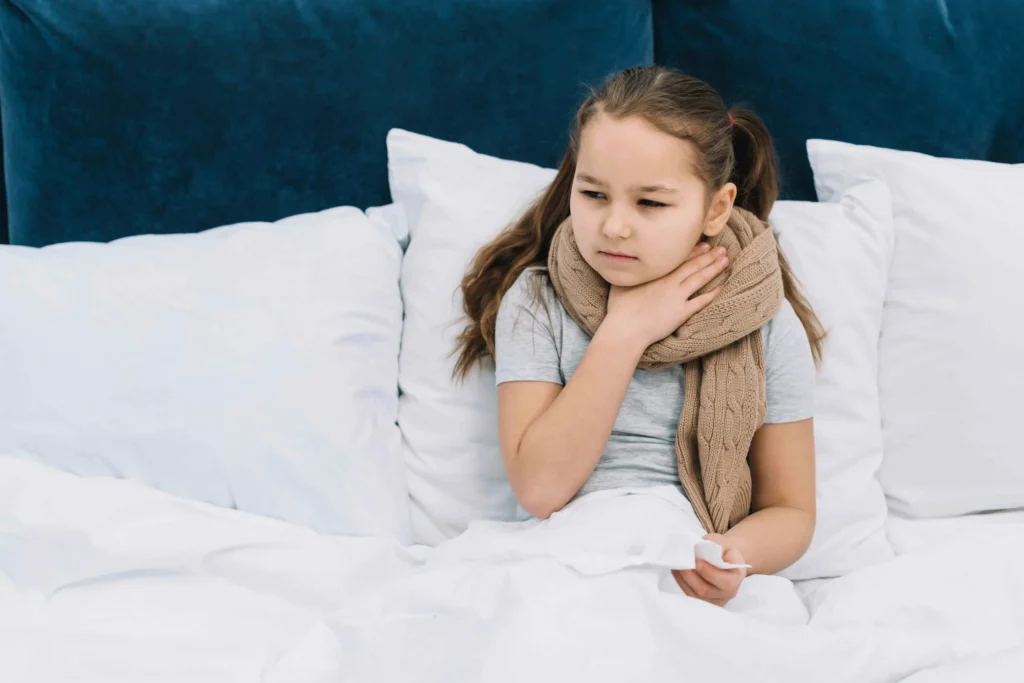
(703,589)
(698,249)
(683,585)
(695,280)
(692,266)
(732,556)
(724,580)
(700,302)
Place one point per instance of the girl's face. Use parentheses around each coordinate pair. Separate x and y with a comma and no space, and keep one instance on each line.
(638,207)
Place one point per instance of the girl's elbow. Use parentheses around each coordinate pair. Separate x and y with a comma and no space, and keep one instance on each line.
(536,488)
(538,505)
(539,500)
(810,521)
(810,510)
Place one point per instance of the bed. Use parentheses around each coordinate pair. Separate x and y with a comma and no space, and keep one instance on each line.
(230,445)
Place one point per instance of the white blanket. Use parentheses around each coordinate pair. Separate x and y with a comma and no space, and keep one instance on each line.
(105,580)
(963,583)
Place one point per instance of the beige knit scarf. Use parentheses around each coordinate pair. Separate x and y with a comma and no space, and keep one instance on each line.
(722,355)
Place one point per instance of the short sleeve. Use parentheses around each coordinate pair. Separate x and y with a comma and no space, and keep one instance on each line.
(526,333)
(789,368)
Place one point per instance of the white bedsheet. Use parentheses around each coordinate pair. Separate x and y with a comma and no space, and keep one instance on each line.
(105,580)
(1006,666)
(961,578)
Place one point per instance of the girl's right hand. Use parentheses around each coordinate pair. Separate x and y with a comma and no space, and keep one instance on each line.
(654,310)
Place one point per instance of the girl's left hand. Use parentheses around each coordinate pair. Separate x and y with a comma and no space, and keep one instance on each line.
(709,583)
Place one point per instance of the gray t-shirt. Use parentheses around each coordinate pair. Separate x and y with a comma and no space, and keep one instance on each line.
(536,340)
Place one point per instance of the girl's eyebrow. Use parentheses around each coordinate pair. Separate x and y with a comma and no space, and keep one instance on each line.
(655,188)
(643,188)
(589,179)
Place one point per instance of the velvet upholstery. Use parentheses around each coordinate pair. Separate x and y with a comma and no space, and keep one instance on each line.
(4,238)
(943,77)
(157,116)
(121,118)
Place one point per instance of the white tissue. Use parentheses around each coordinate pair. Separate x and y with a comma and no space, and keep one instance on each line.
(711,552)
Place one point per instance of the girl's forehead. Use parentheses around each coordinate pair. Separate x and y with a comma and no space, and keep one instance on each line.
(612,149)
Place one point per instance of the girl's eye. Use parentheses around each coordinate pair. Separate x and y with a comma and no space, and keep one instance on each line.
(592,194)
(650,203)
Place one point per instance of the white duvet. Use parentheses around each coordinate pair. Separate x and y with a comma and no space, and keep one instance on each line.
(105,580)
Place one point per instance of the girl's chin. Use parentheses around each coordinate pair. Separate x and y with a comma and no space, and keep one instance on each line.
(622,278)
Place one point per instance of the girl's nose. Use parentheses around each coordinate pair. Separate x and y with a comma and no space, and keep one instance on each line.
(616,228)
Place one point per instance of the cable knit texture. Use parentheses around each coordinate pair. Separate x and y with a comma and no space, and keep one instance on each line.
(722,355)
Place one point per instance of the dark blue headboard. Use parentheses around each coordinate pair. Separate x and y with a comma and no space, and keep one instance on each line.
(178,115)
(125,117)
(943,77)
(4,235)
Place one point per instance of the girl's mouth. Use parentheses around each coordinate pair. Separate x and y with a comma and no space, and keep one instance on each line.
(616,257)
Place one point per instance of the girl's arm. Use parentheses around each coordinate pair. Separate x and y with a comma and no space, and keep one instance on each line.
(552,437)
(779,530)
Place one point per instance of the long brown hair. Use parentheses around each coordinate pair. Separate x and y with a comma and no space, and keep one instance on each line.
(733,146)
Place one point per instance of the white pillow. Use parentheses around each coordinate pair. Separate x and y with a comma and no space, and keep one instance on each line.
(951,355)
(457,200)
(251,366)
(841,253)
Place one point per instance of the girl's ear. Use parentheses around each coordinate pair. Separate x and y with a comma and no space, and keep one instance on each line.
(720,209)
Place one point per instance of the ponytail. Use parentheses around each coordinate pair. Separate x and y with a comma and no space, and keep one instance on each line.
(756,176)
(756,170)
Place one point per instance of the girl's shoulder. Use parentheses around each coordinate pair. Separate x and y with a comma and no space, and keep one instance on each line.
(531,291)
(789,367)
(531,298)
(784,323)
(784,337)
(528,334)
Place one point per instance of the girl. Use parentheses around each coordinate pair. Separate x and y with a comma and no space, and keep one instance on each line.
(646,330)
